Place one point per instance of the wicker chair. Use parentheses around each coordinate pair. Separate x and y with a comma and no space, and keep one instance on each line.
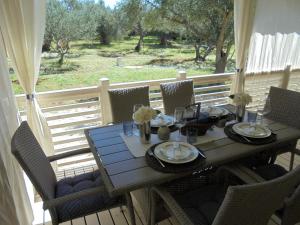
(285,109)
(123,100)
(176,94)
(222,204)
(289,214)
(68,198)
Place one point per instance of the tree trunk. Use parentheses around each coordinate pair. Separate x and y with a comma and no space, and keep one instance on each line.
(221,63)
(163,40)
(207,51)
(61,58)
(221,56)
(138,47)
(197,52)
(104,38)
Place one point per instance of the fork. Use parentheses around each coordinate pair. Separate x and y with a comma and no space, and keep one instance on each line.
(158,160)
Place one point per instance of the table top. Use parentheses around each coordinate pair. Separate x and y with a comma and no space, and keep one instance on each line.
(122,172)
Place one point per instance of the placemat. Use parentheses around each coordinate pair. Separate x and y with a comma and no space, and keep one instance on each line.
(173,168)
(250,141)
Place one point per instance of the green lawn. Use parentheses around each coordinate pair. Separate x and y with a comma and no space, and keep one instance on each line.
(88,61)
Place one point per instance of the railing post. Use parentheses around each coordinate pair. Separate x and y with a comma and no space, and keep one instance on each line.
(286,77)
(181,75)
(104,101)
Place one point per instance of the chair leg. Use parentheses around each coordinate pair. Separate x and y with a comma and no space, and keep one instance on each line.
(43,217)
(151,219)
(292,160)
(130,208)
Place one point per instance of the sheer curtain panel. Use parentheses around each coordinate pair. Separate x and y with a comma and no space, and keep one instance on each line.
(275,42)
(244,13)
(22,25)
(15,207)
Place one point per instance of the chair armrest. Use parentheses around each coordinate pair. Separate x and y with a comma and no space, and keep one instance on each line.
(68,154)
(172,205)
(241,172)
(60,200)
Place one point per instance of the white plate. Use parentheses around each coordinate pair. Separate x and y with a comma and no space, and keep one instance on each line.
(256,131)
(215,111)
(182,153)
(162,119)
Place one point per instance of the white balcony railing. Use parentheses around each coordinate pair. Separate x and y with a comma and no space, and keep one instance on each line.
(70,111)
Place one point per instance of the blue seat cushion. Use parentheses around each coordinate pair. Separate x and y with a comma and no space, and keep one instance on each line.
(201,205)
(270,172)
(84,205)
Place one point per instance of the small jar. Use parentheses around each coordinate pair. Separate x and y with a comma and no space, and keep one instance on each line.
(163,133)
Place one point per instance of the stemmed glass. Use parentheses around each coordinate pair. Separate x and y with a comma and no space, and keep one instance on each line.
(264,110)
(135,126)
(179,119)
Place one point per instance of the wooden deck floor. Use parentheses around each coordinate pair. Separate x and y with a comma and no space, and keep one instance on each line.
(118,216)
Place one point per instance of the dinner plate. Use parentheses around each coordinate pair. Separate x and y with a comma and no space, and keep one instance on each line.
(162,119)
(252,131)
(176,152)
(215,111)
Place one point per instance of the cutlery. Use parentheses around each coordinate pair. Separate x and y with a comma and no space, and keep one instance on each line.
(200,152)
(158,160)
(245,138)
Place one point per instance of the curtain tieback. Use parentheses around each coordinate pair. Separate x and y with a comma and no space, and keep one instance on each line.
(30,97)
(239,70)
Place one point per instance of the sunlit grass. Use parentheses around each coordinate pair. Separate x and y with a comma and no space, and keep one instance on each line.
(89,61)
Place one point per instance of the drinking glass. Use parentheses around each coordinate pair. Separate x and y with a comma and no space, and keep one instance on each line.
(179,119)
(135,126)
(127,128)
(264,110)
(251,117)
(191,135)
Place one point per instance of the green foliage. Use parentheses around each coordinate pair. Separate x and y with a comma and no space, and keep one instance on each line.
(107,26)
(88,61)
(207,24)
(69,20)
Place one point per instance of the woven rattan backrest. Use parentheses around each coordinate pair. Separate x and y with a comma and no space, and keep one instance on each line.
(285,106)
(291,211)
(33,160)
(255,203)
(123,100)
(176,94)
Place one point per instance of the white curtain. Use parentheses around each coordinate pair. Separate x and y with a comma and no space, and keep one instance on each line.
(244,13)
(275,42)
(15,207)
(22,25)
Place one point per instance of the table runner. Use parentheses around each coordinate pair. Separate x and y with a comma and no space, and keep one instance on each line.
(138,149)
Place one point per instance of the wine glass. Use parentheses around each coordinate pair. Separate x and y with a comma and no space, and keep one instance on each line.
(252,117)
(179,119)
(135,126)
(264,110)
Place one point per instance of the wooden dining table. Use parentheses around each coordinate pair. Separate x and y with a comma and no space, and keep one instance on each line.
(123,173)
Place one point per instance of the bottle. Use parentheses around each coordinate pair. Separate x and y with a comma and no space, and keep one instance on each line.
(163,133)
